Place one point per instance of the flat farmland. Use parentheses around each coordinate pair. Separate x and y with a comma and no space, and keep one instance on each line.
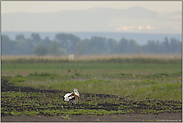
(107,86)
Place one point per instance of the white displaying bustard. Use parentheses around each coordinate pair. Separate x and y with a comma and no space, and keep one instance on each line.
(72,97)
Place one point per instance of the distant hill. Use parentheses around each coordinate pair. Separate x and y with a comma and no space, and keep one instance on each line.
(140,38)
(94,20)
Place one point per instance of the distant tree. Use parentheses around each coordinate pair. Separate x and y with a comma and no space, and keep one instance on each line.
(23,47)
(151,46)
(67,41)
(40,51)
(35,37)
(97,45)
(47,39)
(19,37)
(54,48)
(5,38)
(122,46)
(110,45)
(79,49)
(165,45)
(8,47)
(133,47)
(158,47)
(85,42)
(175,45)
(46,42)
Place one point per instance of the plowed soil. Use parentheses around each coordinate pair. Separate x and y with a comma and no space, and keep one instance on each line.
(135,116)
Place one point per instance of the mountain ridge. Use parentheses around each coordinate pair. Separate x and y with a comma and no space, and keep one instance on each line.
(92,20)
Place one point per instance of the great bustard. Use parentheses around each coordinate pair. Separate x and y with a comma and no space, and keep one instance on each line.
(72,97)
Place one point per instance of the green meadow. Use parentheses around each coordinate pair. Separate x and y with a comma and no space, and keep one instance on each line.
(139,80)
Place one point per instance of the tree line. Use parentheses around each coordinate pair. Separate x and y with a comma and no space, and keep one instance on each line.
(64,44)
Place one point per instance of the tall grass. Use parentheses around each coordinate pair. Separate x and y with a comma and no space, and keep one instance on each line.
(94,59)
(86,57)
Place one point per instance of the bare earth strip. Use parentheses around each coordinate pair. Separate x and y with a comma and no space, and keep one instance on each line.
(162,117)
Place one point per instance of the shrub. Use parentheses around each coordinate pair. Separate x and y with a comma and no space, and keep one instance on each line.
(18,75)
(77,74)
(17,80)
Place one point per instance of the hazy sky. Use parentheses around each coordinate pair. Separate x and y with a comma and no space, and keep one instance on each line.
(167,21)
(53,6)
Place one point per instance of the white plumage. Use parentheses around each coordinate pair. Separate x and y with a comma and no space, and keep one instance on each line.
(72,97)
(67,98)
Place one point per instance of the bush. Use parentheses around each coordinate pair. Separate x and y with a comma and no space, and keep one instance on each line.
(18,75)
(17,80)
(39,74)
(77,74)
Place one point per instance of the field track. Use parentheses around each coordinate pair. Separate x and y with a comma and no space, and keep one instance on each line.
(162,117)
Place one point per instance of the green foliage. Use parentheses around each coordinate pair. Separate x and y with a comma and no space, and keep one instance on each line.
(6,77)
(14,80)
(18,75)
(40,50)
(17,78)
(39,74)
(14,112)
(77,74)
(67,117)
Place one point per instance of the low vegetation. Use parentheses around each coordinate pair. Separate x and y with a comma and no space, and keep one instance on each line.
(105,88)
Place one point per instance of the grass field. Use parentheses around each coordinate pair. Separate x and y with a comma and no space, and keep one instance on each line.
(125,84)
